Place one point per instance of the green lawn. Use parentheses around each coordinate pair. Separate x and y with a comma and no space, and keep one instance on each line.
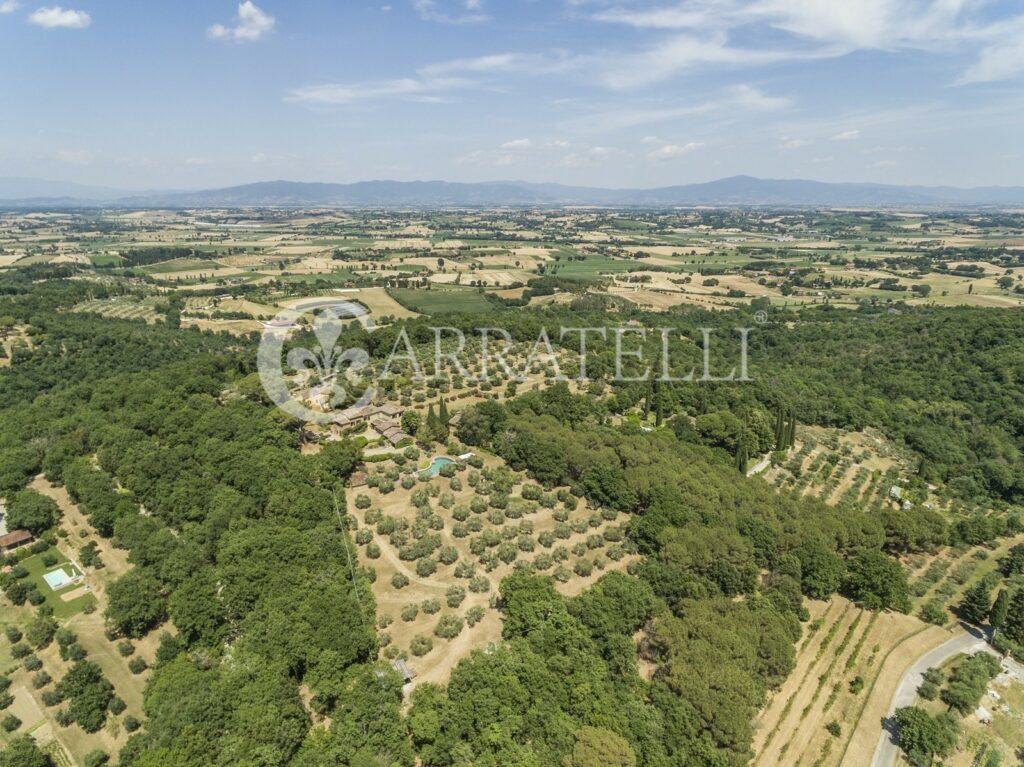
(61,610)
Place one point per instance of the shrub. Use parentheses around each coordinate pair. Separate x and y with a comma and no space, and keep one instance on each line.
(409,613)
(935,613)
(13,634)
(96,758)
(399,581)
(583,568)
(373,551)
(41,680)
(455,596)
(432,606)
(480,585)
(20,650)
(10,723)
(131,724)
(448,555)
(449,627)
(126,648)
(384,621)
(425,567)
(32,663)
(137,665)
(52,698)
(856,685)
(421,645)
(834,729)
(116,705)
(63,718)
(474,615)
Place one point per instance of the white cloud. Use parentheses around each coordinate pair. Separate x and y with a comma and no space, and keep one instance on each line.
(9,6)
(504,160)
(998,61)
(826,28)
(754,99)
(519,143)
(672,151)
(465,12)
(427,82)
(55,17)
(847,135)
(681,53)
(339,93)
(793,143)
(251,24)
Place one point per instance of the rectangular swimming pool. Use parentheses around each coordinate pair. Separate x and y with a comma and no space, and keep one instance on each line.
(59,578)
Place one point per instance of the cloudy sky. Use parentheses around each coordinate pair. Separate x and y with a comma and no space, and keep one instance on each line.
(199,93)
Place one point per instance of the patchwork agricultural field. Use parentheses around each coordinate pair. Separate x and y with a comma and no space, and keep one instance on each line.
(705,259)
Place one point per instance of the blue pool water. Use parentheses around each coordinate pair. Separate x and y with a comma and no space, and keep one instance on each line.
(435,466)
(58,579)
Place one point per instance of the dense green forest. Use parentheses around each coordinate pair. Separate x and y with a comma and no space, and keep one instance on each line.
(241,543)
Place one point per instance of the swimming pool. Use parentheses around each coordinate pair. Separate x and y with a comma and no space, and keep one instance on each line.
(59,578)
(436,465)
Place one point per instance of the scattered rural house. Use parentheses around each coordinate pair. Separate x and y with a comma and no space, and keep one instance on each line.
(353,415)
(896,492)
(403,668)
(14,540)
(320,396)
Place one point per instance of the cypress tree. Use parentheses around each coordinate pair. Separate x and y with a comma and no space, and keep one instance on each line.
(742,456)
(1013,626)
(997,615)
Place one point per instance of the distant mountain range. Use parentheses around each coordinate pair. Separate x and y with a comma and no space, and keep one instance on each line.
(734,191)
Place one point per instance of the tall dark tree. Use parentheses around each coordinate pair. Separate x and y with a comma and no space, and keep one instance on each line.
(1000,609)
(977,603)
(1013,628)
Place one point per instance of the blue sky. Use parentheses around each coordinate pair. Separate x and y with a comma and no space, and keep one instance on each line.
(201,93)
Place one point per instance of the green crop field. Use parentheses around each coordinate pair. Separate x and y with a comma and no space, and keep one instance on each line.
(440,301)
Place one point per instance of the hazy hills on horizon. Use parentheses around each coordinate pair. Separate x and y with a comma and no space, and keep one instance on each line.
(734,191)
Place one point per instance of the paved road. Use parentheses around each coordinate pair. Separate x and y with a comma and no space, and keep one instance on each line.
(906,694)
(760,466)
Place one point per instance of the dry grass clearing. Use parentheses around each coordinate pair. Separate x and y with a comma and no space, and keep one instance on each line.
(577,546)
(843,643)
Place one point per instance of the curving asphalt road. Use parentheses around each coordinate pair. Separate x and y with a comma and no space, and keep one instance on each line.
(906,693)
